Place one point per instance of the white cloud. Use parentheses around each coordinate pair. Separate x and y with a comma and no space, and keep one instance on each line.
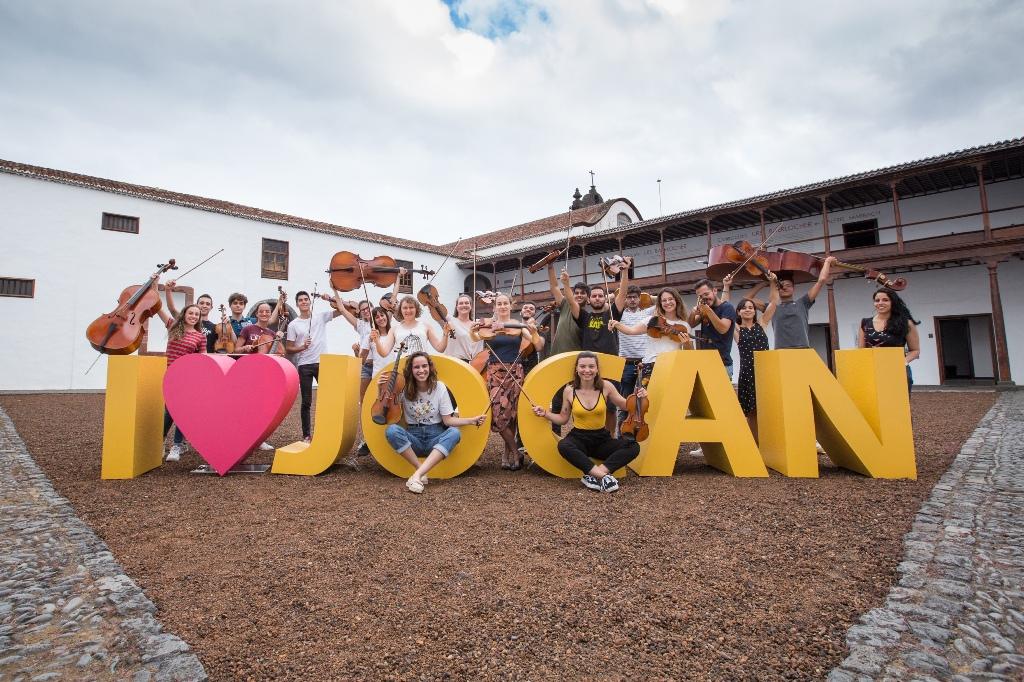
(385,116)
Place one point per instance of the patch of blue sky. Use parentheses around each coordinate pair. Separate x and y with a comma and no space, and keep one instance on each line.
(494,21)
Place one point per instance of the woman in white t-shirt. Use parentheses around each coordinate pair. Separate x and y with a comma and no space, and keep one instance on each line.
(413,331)
(460,344)
(669,315)
(430,429)
(381,328)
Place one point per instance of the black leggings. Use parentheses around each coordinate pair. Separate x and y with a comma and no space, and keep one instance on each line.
(306,375)
(579,445)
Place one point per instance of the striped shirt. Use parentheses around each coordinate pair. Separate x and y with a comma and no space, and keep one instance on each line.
(191,342)
(634,345)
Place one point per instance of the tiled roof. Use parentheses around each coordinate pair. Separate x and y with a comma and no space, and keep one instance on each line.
(588,215)
(880,174)
(205,204)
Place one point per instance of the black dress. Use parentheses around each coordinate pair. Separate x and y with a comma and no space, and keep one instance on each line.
(751,339)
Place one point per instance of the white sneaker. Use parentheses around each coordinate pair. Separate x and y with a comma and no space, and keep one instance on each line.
(266,446)
(821,450)
(697,453)
(414,485)
(175,453)
(424,480)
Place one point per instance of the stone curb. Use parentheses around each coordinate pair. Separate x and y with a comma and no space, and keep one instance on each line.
(67,608)
(956,610)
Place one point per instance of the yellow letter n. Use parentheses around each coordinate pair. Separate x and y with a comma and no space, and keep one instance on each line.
(862,420)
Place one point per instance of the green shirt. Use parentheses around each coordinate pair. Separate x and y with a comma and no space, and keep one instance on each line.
(567,334)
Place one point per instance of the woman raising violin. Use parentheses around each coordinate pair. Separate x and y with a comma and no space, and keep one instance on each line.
(751,335)
(184,336)
(504,340)
(589,438)
(462,346)
(430,419)
(412,330)
(892,326)
(666,330)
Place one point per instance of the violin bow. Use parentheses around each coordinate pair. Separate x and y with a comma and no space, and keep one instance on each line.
(513,287)
(178,278)
(450,254)
(568,237)
(316,285)
(474,279)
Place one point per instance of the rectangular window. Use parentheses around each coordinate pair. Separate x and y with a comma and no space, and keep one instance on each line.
(18,288)
(405,281)
(275,259)
(120,223)
(861,233)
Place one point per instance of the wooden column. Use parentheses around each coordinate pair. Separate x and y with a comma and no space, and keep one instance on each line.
(583,261)
(522,281)
(708,222)
(664,266)
(986,222)
(897,217)
(764,237)
(1002,354)
(833,322)
(620,246)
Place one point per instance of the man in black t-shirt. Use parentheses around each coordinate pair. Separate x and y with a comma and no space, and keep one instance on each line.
(594,333)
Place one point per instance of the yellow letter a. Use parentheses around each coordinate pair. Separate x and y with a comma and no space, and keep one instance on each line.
(862,420)
(696,379)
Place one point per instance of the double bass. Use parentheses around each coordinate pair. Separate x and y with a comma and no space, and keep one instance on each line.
(120,331)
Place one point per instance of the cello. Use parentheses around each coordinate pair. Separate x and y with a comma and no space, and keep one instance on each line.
(349,271)
(120,331)
(796,258)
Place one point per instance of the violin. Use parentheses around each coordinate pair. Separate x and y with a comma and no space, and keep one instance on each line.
(387,409)
(486,297)
(551,256)
(488,330)
(349,271)
(224,344)
(796,257)
(611,267)
(276,345)
(658,327)
(119,332)
(635,423)
(427,296)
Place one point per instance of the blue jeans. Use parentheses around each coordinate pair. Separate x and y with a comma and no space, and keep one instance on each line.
(423,438)
(366,371)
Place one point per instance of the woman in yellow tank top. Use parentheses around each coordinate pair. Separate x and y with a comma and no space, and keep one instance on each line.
(586,400)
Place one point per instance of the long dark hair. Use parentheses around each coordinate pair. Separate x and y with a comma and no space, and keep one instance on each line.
(411,389)
(757,316)
(177,330)
(900,316)
(576,383)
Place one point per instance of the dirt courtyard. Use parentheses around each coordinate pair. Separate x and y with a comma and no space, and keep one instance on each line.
(497,573)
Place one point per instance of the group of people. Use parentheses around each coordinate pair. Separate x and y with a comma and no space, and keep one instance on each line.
(590,319)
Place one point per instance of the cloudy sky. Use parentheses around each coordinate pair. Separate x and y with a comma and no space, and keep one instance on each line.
(434,120)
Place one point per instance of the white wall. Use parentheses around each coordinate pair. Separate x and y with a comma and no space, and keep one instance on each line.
(51,233)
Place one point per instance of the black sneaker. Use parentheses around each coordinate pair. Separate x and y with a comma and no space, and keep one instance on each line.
(609,484)
(591,482)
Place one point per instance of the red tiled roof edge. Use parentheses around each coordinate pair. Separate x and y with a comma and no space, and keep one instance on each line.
(588,215)
(205,204)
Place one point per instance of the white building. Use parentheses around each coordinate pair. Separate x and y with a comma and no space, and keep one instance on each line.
(953,225)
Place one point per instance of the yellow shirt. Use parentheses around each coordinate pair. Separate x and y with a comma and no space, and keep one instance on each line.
(591,419)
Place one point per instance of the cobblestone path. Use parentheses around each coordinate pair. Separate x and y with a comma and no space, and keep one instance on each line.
(957,612)
(67,609)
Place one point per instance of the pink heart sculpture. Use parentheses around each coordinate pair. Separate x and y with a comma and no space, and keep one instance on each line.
(227,407)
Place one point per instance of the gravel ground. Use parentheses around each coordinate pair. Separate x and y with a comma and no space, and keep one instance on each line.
(500,574)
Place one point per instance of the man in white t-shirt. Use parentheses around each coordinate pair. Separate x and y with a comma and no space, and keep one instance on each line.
(632,347)
(306,341)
